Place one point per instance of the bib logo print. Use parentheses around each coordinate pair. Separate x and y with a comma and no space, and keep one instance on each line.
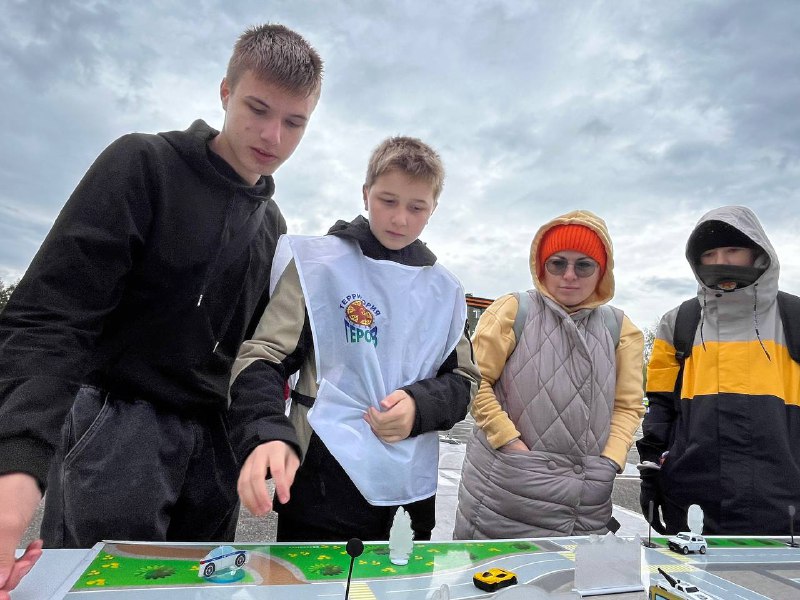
(359,320)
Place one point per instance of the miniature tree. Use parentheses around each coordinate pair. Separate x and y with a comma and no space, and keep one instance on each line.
(401,541)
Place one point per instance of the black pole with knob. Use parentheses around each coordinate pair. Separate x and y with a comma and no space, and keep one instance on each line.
(354,548)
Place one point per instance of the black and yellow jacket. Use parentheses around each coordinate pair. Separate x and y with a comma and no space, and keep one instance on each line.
(733,432)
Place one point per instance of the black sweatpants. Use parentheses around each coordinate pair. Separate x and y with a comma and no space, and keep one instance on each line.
(325,505)
(127,470)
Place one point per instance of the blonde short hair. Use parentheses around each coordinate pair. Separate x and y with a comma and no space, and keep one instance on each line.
(276,54)
(408,155)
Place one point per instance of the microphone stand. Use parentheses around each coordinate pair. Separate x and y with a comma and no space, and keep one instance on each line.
(354,548)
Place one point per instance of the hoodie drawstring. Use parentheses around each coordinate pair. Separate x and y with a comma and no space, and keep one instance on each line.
(755,320)
(210,268)
(703,320)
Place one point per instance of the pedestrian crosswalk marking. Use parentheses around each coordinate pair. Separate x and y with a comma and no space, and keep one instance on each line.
(675,556)
(361,591)
(679,568)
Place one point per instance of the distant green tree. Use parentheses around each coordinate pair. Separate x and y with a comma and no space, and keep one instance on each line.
(649,340)
(5,293)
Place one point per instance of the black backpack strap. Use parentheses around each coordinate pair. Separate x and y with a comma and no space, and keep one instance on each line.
(686,323)
(789,308)
(685,329)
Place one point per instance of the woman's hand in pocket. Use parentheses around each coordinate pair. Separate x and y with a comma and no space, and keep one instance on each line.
(514,446)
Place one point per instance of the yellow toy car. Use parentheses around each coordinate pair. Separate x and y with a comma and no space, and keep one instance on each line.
(493,579)
(658,592)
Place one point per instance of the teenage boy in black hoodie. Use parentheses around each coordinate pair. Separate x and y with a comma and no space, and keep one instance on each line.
(375,327)
(130,316)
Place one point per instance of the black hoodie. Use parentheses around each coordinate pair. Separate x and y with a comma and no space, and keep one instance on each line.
(416,254)
(140,287)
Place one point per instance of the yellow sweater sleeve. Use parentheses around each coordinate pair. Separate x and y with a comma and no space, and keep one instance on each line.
(628,406)
(493,343)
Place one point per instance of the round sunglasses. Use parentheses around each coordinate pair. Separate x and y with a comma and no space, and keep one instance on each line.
(583,267)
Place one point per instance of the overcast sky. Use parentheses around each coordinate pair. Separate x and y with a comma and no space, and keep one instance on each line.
(647,113)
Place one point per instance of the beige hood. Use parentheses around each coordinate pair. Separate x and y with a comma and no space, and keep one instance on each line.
(605,287)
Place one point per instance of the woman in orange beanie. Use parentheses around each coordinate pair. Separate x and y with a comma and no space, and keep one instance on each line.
(560,397)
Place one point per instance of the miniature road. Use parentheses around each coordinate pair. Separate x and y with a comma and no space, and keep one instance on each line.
(727,573)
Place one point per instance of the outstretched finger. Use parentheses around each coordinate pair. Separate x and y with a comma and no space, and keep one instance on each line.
(22,566)
(252,483)
(285,476)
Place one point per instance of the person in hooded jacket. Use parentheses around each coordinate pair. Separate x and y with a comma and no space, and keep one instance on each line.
(560,398)
(724,433)
(129,318)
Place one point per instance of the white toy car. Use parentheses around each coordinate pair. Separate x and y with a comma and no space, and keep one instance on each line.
(221,558)
(677,590)
(686,542)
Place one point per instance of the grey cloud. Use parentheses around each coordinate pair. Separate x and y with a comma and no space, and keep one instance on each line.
(44,41)
(646,113)
(688,153)
(669,286)
(596,128)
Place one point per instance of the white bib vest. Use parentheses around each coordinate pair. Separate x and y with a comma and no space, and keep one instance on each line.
(377,326)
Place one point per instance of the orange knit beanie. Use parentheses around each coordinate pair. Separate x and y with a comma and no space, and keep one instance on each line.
(571,237)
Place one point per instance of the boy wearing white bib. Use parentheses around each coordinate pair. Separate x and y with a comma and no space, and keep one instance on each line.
(375,327)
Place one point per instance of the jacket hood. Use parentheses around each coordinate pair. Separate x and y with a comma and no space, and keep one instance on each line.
(415,254)
(745,221)
(192,146)
(605,287)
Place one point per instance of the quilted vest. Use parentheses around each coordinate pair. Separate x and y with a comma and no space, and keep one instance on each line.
(558,388)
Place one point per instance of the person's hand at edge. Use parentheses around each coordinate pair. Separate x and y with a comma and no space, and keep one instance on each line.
(276,459)
(19,497)
(650,491)
(21,567)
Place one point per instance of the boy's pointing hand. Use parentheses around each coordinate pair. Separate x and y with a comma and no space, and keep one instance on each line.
(395,421)
(276,459)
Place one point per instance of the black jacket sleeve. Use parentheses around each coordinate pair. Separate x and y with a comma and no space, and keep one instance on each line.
(443,401)
(657,427)
(257,409)
(56,314)
(281,344)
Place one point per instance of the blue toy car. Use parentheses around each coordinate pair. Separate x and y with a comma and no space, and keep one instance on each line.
(223,557)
